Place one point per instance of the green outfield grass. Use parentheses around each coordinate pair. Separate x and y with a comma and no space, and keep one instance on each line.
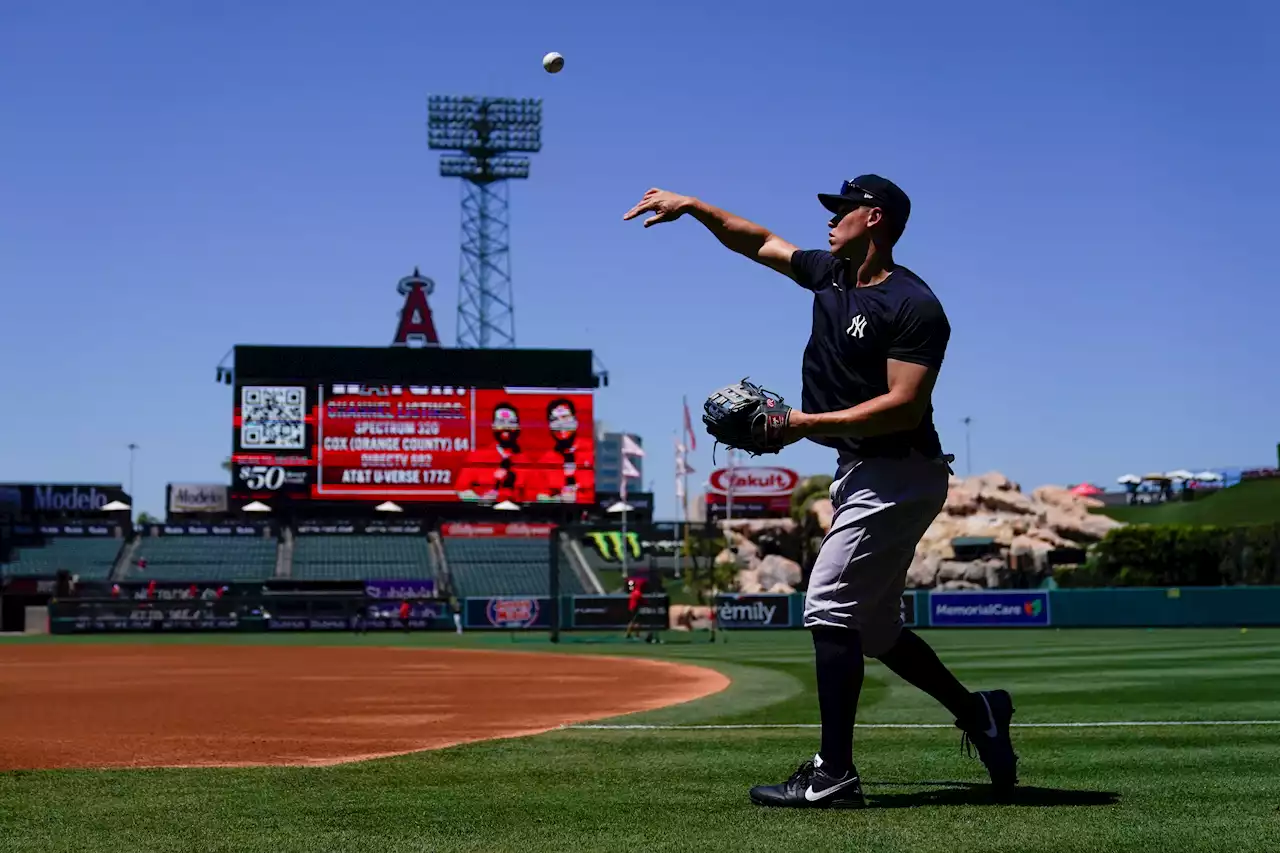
(1094,789)
(1249,502)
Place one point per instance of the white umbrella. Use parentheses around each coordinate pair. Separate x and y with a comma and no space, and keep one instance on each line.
(507,505)
(1180,474)
(256,506)
(1155,476)
(388,506)
(1129,478)
(1207,476)
(114,506)
(620,507)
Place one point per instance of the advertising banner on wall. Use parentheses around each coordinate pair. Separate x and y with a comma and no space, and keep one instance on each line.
(361,528)
(765,610)
(908,608)
(59,499)
(484,530)
(197,497)
(990,608)
(197,530)
(759,491)
(511,613)
(400,590)
(613,611)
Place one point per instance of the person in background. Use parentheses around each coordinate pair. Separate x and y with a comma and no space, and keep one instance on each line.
(634,598)
(456,607)
(405,610)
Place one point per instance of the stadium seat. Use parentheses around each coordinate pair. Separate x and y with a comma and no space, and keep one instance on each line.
(90,558)
(505,566)
(386,557)
(205,558)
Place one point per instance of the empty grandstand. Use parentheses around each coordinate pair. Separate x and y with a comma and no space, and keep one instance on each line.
(204,558)
(90,558)
(498,565)
(362,557)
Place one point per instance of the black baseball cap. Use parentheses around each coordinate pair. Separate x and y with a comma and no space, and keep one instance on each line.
(870,191)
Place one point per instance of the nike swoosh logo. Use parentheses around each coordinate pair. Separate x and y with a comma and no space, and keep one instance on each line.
(813,796)
(991,730)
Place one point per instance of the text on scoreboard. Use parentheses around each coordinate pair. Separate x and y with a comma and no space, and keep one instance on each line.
(345,441)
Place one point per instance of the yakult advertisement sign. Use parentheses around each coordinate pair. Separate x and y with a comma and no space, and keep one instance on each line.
(759,491)
(754,482)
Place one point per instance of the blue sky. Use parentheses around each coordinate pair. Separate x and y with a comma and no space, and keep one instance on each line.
(1093,188)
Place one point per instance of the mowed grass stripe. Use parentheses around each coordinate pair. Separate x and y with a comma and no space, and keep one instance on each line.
(1122,788)
(593,790)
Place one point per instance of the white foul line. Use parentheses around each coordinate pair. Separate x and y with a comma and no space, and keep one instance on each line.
(1096,725)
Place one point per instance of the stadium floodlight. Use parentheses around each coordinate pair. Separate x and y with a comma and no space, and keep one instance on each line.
(484,125)
(480,133)
(476,168)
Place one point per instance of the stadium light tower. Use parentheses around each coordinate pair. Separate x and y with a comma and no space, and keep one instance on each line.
(480,134)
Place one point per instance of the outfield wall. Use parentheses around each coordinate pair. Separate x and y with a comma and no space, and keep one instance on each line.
(370,609)
(1186,607)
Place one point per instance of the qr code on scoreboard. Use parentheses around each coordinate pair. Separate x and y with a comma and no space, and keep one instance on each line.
(272,417)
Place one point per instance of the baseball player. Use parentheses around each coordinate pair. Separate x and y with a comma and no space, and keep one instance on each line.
(878,340)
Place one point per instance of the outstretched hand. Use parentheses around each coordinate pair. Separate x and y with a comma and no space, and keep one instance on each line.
(665,206)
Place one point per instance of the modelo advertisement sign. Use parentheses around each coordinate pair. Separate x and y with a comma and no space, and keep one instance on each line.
(196,497)
(1005,608)
(35,534)
(208,530)
(757,491)
(59,498)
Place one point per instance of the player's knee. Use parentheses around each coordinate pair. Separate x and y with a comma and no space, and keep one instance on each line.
(879,639)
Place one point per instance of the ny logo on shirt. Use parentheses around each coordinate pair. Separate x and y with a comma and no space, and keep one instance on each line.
(856,326)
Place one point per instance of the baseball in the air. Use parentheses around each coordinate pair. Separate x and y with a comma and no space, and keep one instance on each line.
(553,62)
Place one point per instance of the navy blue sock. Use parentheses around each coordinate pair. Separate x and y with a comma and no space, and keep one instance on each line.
(840,669)
(915,662)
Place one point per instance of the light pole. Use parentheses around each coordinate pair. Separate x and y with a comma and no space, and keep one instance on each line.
(132,450)
(968,449)
(486,140)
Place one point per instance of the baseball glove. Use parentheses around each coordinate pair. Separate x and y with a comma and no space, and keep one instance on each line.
(747,417)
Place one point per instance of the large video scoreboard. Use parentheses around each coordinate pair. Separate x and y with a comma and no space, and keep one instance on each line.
(346,438)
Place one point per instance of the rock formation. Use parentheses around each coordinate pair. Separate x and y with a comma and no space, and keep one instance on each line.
(1025,529)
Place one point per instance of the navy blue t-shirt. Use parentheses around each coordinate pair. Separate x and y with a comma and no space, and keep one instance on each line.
(856,330)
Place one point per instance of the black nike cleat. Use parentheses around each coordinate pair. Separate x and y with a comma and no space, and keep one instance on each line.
(990,734)
(810,787)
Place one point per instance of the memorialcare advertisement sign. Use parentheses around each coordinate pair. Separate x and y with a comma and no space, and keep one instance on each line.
(1006,608)
(511,613)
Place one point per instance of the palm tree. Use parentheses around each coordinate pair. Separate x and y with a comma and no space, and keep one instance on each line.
(807,492)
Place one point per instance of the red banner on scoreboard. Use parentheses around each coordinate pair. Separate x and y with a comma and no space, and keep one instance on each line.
(446,444)
(484,531)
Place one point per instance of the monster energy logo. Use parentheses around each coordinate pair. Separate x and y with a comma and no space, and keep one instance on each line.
(609,544)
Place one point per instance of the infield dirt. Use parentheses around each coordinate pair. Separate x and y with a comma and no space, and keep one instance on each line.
(242,706)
